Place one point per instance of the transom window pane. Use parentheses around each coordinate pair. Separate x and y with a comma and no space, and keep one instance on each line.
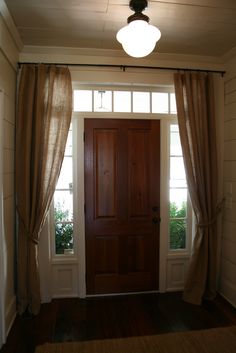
(82,100)
(141,102)
(102,101)
(122,101)
(160,102)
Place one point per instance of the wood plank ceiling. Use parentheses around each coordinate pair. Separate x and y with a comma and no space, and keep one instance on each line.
(202,27)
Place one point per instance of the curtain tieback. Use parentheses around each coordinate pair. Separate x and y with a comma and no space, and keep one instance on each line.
(28,234)
(219,209)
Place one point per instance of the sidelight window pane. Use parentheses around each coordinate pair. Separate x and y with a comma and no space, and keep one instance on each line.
(178,193)
(63,204)
(178,229)
(65,179)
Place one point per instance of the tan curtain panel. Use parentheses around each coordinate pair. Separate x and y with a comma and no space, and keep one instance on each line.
(195,108)
(42,125)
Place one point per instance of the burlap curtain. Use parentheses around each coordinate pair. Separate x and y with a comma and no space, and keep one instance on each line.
(195,107)
(42,125)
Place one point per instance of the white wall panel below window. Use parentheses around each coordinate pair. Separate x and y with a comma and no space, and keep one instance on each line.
(176,273)
(65,279)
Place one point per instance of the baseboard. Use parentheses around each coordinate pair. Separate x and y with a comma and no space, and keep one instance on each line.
(227,290)
(227,299)
(10,315)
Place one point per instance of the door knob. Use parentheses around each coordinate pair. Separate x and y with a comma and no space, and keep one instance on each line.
(156,220)
(155,208)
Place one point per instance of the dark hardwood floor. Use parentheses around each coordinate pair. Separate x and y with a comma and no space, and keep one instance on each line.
(113,317)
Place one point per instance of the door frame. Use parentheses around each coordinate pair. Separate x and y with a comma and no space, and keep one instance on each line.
(76,265)
(2,240)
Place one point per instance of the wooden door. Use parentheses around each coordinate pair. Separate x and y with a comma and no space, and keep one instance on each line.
(122,205)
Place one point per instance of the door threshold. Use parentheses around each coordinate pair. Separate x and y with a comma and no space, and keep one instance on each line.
(119,294)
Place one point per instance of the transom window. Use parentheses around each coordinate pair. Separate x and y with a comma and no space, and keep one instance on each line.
(124,101)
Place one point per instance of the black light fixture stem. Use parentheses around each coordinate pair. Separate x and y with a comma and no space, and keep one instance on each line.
(138,6)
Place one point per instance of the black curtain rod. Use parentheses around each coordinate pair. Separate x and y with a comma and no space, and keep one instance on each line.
(124,67)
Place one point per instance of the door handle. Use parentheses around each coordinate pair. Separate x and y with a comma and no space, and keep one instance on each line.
(156,220)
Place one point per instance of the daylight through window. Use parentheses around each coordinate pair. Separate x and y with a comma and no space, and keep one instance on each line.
(63,204)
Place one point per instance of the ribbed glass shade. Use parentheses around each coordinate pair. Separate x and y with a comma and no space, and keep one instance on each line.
(138,38)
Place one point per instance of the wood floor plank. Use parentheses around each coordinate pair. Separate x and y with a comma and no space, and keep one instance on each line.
(114,317)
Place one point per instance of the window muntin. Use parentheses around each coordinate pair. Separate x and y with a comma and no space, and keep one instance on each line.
(63,204)
(178,194)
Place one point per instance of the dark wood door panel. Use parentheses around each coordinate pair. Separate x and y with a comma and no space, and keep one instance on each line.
(138,171)
(122,168)
(105,169)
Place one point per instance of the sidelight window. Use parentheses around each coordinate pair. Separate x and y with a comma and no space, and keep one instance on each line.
(178,194)
(63,204)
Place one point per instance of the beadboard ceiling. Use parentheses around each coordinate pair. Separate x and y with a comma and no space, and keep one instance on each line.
(201,27)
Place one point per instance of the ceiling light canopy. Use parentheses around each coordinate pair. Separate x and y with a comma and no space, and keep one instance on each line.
(138,38)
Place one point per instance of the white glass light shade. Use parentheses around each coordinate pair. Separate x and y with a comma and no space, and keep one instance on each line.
(138,38)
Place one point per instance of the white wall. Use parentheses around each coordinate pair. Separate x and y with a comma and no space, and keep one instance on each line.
(228,252)
(8,71)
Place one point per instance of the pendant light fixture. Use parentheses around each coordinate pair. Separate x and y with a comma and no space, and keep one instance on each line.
(138,38)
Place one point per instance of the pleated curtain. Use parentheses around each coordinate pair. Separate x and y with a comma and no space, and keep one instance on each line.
(196,117)
(42,125)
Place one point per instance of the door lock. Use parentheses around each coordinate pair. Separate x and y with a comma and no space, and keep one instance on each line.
(156,220)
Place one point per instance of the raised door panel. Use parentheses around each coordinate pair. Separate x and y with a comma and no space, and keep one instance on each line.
(105,173)
(138,173)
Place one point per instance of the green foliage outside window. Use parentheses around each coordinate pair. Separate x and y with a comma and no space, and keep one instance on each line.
(178,226)
(63,230)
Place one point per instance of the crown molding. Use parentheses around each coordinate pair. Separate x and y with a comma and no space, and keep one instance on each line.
(69,55)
